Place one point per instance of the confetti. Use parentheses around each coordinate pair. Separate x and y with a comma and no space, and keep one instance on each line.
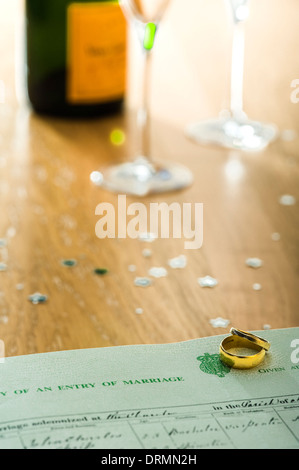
(139,311)
(287,200)
(37,298)
(147,253)
(207,281)
(219,322)
(288,135)
(148,237)
(158,272)
(267,327)
(96,178)
(275,236)
(178,263)
(257,286)
(69,262)
(100,271)
(142,282)
(3,267)
(132,268)
(11,232)
(254,262)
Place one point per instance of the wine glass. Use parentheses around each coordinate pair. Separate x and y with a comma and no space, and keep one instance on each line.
(143,175)
(234,129)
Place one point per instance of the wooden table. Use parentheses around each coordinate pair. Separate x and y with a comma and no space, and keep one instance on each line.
(47,207)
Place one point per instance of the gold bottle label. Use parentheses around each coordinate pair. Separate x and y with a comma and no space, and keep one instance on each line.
(96,52)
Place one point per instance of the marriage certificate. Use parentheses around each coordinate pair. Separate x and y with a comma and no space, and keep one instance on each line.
(171,396)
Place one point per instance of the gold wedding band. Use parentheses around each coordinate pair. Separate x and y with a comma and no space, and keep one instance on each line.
(238,361)
(251,337)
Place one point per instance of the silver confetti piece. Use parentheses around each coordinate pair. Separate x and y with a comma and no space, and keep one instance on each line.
(287,135)
(37,298)
(132,268)
(158,272)
(96,178)
(148,237)
(207,281)
(257,286)
(219,322)
(147,253)
(142,282)
(254,262)
(179,262)
(287,200)
(275,236)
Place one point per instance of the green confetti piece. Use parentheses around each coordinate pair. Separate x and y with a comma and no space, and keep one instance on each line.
(149,36)
(100,271)
(69,262)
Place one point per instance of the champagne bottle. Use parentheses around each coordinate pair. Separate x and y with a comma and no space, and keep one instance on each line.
(75,56)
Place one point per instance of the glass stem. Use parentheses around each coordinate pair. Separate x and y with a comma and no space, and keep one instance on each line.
(237,70)
(144,114)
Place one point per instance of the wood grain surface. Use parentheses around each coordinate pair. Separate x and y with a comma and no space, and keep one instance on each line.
(47,214)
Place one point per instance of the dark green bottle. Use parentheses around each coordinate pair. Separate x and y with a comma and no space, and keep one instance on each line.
(75,56)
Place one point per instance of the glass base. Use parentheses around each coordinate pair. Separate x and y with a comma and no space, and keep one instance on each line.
(142,177)
(233,133)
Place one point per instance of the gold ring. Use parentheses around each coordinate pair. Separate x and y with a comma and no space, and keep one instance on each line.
(251,337)
(238,361)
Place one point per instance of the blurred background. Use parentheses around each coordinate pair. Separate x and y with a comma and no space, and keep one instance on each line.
(191,63)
